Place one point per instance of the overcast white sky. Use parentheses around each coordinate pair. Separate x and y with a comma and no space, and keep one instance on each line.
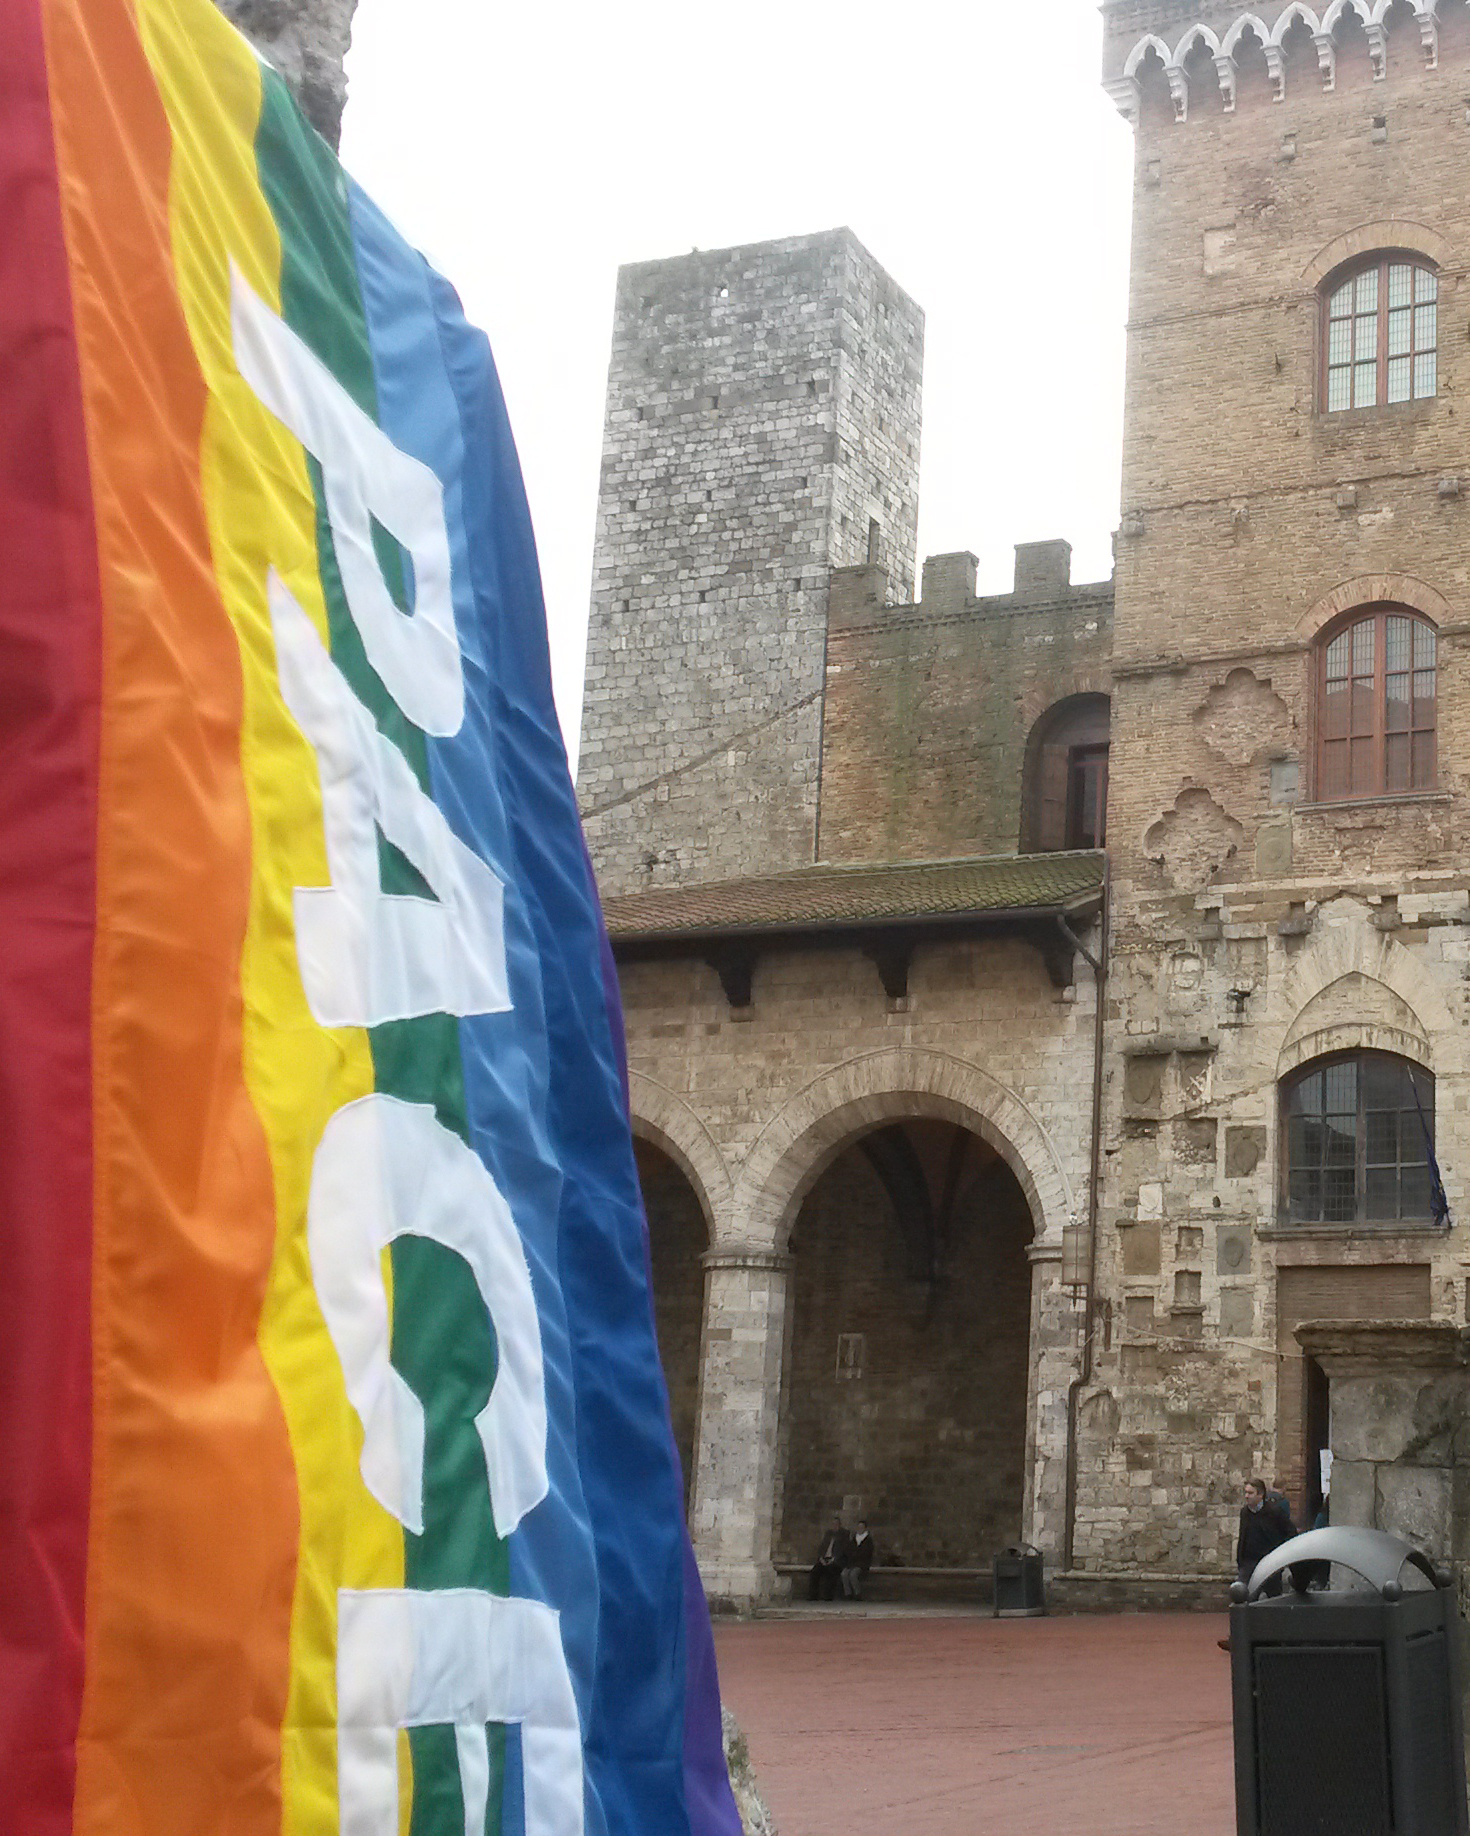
(529,151)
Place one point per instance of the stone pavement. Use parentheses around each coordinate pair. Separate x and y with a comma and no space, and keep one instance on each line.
(951,1725)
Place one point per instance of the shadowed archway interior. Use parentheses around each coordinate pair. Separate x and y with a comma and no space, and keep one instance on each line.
(678,1238)
(906,1372)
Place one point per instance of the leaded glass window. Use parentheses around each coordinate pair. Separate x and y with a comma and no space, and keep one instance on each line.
(1381,336)
(1358,1142)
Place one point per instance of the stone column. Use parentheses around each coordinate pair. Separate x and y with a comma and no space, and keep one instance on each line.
(1400,1394)
(739,1409)
(1052,1364)
(1400,1458)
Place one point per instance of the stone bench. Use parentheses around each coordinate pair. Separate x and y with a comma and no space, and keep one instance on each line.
(886,1582)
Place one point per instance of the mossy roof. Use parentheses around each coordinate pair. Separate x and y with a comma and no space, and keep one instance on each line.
(877,894)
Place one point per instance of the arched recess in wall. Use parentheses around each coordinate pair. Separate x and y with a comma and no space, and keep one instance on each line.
(797,1145)
(1064,779)
(683,1181)
(1386,233)
(908,1354)
(1355,1013)
(1393,985)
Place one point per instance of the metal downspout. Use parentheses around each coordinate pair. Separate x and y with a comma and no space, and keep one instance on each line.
(1099,967)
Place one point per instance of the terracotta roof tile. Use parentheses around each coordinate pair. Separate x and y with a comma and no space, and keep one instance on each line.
(885,893)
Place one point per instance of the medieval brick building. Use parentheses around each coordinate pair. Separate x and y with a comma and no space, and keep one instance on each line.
(1039,1004)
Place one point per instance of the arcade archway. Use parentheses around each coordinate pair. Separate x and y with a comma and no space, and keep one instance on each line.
(908,1363)
(678,1238)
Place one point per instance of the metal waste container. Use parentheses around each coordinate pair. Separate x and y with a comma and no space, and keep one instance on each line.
(1019,1589)
(1347,1701)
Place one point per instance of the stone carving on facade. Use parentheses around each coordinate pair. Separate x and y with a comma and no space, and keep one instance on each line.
(1244,719)
(1192,841)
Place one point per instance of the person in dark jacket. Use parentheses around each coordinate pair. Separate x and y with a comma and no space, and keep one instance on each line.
(859,1561)
(1265,1524)
(826,1575)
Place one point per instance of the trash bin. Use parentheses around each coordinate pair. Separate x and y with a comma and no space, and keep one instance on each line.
(1347,1701)
(1019,1588)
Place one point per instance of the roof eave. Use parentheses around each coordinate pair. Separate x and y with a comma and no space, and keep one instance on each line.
(1076,905)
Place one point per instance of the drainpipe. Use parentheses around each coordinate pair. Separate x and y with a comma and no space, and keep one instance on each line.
(1099,967)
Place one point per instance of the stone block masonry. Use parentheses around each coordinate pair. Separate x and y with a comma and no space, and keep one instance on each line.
(306,41)
(762,427)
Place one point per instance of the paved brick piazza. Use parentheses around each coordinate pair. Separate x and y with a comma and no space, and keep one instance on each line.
(931,1725)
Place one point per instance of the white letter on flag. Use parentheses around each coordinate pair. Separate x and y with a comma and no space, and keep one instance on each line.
(385,1168)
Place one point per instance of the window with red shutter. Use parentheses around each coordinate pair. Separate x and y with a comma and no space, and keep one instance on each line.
(1376,697)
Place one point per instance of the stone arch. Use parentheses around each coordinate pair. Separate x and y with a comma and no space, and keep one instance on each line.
(1247,22)
(1371,13)
(1340,950)
(1372,590)
(1196,35)
(1376,1019)
(1333,12)
(799,1143)
(1298,10)
(1366,238)
(666,1120)
(1141,50)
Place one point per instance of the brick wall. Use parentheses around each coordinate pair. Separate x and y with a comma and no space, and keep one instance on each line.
(924,1434)
(929,705)
(1253,927)
(1244,507)
(763,412)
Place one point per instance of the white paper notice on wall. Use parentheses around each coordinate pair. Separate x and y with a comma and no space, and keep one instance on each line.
(1324,1459)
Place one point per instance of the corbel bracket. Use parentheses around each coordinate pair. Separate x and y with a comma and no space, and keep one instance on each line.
(735,966)
(892,956)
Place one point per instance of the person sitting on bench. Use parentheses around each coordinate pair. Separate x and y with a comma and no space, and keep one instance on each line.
(859,1561)
(826,1572)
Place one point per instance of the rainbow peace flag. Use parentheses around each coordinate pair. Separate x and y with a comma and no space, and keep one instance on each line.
(336,1486)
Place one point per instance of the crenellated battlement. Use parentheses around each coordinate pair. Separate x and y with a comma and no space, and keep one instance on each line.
(1200,48)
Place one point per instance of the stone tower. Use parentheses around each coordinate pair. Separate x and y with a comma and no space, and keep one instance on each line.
(306,40)
(1288,841)
(762,428)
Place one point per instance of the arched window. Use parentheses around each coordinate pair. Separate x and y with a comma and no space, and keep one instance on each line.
(1376,705)
(1064,797)
(1380,333)
(1357,1133)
